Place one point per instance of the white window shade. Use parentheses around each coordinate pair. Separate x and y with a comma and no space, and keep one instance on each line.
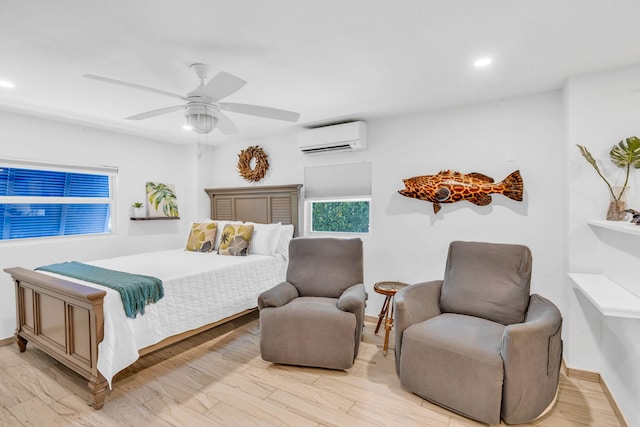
(346,180)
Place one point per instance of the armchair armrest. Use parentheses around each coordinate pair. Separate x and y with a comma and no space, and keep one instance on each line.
(354,300)
(277,296)
(414,304)
(532,353)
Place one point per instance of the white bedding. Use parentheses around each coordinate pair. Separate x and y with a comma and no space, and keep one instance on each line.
(199,288)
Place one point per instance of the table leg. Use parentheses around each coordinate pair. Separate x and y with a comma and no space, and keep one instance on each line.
(388,324)
(383,312)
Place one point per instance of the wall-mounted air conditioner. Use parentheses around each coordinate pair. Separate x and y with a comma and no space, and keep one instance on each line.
(350,136)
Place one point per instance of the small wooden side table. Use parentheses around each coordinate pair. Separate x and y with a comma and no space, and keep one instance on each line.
(388,289)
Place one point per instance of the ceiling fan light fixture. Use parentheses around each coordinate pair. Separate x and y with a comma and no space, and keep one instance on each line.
(202,111)
(201,117)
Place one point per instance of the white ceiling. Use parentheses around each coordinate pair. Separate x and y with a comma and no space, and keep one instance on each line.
(330,60)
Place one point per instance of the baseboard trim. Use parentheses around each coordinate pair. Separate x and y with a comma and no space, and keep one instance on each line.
(596,378)
(614,405)
(372,319)
(579,374)
(7,341)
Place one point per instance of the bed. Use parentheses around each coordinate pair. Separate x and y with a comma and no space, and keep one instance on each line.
(83,326)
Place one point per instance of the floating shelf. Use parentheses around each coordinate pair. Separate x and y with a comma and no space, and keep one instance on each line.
(152,218)
(620,226)
(608,297)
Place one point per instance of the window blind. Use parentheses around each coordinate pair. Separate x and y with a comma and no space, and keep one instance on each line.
(31,182)
(41,203)
(337,181)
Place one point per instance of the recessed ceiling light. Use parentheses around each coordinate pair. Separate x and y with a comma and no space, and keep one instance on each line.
(482,62)
(6,84)
(186,127)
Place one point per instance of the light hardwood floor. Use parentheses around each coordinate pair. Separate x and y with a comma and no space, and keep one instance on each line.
(218,378)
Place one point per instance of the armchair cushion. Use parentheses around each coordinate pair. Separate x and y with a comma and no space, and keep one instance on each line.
(488,280)
(466,352)
(308,331)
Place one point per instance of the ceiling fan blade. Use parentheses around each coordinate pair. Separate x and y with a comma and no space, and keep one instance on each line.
(257,110)
(154,113)
(221,85)
(134,86)
(225,125)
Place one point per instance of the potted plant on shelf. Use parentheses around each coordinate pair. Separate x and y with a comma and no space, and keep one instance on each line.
(624,155)
(138,210)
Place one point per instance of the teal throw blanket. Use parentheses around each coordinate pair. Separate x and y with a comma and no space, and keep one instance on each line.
(135,290)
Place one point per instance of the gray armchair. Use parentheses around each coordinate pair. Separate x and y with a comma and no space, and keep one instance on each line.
(315,318)
(476,342)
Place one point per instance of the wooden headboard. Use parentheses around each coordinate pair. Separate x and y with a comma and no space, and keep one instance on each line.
(268,204)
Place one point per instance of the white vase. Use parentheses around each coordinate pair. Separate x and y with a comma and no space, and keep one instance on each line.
(139,212)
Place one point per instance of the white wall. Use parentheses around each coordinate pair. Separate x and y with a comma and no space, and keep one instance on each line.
(409,241)
(602,109)
(139,160)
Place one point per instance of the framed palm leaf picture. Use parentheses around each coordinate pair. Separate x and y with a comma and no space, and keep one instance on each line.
(162,200)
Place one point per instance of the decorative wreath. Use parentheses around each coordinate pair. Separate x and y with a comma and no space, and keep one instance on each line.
(244,163)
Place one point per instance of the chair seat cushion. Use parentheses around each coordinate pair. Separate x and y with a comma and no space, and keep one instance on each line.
(454,360)
(308,331)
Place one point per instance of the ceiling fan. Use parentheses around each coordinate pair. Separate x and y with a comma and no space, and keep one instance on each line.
(201,107)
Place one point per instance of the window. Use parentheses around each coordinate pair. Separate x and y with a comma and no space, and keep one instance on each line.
(340,216)
(41,200)
(338,199)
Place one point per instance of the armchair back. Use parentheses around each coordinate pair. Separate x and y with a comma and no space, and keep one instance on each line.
(324,266)
(487,280)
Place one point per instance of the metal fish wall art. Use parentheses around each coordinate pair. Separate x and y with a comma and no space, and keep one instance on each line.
(451,186)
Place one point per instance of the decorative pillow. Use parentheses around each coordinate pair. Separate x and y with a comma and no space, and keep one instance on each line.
(264,239)
(235,239)
(202,237)
(221,226)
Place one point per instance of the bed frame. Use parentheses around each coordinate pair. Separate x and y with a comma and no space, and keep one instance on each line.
(65,319)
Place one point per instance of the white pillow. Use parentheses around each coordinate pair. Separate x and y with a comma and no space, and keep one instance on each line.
(286,234)
(264,239)
(220,227)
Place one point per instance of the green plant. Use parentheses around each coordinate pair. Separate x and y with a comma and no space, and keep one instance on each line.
(137,205)
(624,155)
